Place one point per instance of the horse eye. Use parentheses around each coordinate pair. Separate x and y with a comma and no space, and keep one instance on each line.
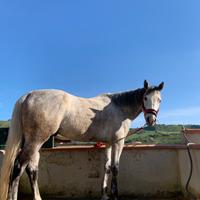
(145,98)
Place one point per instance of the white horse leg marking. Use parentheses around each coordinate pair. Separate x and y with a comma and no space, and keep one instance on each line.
(32,171)
(116,153)
(106,173)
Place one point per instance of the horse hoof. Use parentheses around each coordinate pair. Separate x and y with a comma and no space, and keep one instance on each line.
(105,198)
(114,198)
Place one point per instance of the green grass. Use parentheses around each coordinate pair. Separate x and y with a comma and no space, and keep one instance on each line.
(159,134)
(152,137)
(4,124)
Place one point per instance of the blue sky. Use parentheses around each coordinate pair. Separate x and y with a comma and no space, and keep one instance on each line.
(91,47)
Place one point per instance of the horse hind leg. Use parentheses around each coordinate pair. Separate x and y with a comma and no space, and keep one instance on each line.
(23,159)
(32,171)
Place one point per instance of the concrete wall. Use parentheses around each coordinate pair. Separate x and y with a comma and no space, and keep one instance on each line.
(191,136)
(184,168)
(144,171)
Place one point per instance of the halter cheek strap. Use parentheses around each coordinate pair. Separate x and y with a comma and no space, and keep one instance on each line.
(149,111)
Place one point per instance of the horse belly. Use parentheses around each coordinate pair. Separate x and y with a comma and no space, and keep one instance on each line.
(90,121)
(78,134)
(88,130)
(75,128)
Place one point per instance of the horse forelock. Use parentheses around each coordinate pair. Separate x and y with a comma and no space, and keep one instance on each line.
(152,89)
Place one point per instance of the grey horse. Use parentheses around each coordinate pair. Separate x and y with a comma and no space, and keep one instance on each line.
(40,114)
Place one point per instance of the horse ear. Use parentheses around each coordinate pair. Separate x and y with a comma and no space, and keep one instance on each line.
(160,87)
(146,85)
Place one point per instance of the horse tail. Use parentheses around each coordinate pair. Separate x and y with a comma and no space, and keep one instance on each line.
(13,145)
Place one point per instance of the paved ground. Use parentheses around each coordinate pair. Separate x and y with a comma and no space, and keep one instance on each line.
(121,198)
(29,198)
(98,199)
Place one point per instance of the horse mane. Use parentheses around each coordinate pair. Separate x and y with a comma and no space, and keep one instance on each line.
(128,98)
(132,97)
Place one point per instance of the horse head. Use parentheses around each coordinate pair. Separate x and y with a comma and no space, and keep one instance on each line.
(151,102)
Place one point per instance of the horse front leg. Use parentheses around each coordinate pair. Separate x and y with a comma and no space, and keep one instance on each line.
(116,153)
(107,168)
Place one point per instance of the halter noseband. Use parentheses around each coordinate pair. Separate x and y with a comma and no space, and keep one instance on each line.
(149,111)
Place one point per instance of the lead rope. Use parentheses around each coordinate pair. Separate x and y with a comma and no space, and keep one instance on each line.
(189,143)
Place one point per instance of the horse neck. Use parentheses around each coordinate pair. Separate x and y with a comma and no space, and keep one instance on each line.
(130,102)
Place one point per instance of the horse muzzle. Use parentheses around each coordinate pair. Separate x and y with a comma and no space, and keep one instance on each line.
(150,119)
(150,115)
